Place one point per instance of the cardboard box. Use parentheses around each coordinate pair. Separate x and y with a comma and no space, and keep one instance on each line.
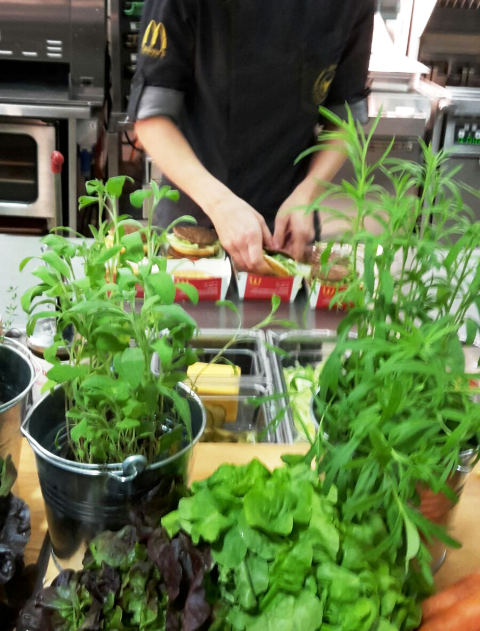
(259,287)
(321,292)
(212,288)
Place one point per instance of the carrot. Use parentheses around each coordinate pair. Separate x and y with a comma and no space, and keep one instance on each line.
(451,595)
(463,616)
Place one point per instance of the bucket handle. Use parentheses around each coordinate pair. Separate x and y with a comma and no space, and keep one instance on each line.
(132,467)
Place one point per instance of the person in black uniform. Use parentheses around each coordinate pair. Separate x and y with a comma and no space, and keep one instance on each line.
(226,96)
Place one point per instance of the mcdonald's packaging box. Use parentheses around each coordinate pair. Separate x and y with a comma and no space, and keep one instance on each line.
(260,287)
(321,289)
(211,277)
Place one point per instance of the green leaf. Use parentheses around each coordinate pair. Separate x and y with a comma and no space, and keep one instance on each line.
(369,262)
(165,352)
(276,302)
(161,284)
(86,200)
(173,195)
(57,263)
(107,254)
(137,198)
(8,475)
(114,185)
(133,245)
(387,285)
(413,539)
(127,423)
(472,328)
(24,262)
(133,366)
(189,290)
(66,372)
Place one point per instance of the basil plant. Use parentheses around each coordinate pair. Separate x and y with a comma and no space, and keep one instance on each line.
(115,405)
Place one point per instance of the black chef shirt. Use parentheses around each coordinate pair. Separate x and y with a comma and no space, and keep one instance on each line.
(244,78)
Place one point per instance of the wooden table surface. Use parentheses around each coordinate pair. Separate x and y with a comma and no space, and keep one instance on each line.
(208,457)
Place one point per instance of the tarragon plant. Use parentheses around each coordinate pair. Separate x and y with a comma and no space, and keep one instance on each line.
(395,405)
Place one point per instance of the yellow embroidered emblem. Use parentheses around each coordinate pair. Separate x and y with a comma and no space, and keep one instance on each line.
(154,43)
(323,83)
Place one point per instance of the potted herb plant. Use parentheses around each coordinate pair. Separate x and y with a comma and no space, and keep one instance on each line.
(395,405)
(111,433)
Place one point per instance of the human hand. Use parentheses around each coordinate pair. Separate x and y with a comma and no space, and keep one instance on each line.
(294,230)
(242,232)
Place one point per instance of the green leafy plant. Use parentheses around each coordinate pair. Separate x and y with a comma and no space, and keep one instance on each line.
(115,405)
(287,561)
(119,399)
(130,580)
(395,405)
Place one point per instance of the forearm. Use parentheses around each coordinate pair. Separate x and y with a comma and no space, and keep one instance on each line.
(170,150)
(324,165)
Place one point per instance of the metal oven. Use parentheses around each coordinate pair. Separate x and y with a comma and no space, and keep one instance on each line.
(26,181)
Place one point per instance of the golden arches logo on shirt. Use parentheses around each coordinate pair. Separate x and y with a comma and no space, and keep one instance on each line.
(154,43)
(323,83)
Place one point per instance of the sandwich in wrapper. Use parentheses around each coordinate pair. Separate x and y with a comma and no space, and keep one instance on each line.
(280,263)
(193,242)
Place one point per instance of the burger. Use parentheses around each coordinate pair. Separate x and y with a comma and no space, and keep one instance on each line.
(337,270)
(280,263)
(193,242)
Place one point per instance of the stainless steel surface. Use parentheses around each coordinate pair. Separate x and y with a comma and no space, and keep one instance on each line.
(72,174)
(17,375)
(44,138)
(39,110)
(67,36)
(82,500)
(303,347)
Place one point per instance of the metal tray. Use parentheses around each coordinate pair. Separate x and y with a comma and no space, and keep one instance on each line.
(303,347)
(251,424)
(248,351)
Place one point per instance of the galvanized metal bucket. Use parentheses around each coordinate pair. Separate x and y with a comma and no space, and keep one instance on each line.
(81,500)
(17,376)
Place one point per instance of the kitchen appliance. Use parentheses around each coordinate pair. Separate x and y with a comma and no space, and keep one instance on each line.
(124,30)
(450,46)
(52,71)
(26,181)
(55,48)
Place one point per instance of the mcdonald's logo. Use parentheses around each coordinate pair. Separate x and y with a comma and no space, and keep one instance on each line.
(328,290)
(154,43)
(256,281)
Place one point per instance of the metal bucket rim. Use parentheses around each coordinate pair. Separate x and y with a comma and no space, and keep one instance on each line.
(109,469)
(25,354)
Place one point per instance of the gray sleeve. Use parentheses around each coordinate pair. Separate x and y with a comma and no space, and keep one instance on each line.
(157,101)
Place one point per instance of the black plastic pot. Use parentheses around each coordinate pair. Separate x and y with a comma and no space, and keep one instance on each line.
(81,500)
